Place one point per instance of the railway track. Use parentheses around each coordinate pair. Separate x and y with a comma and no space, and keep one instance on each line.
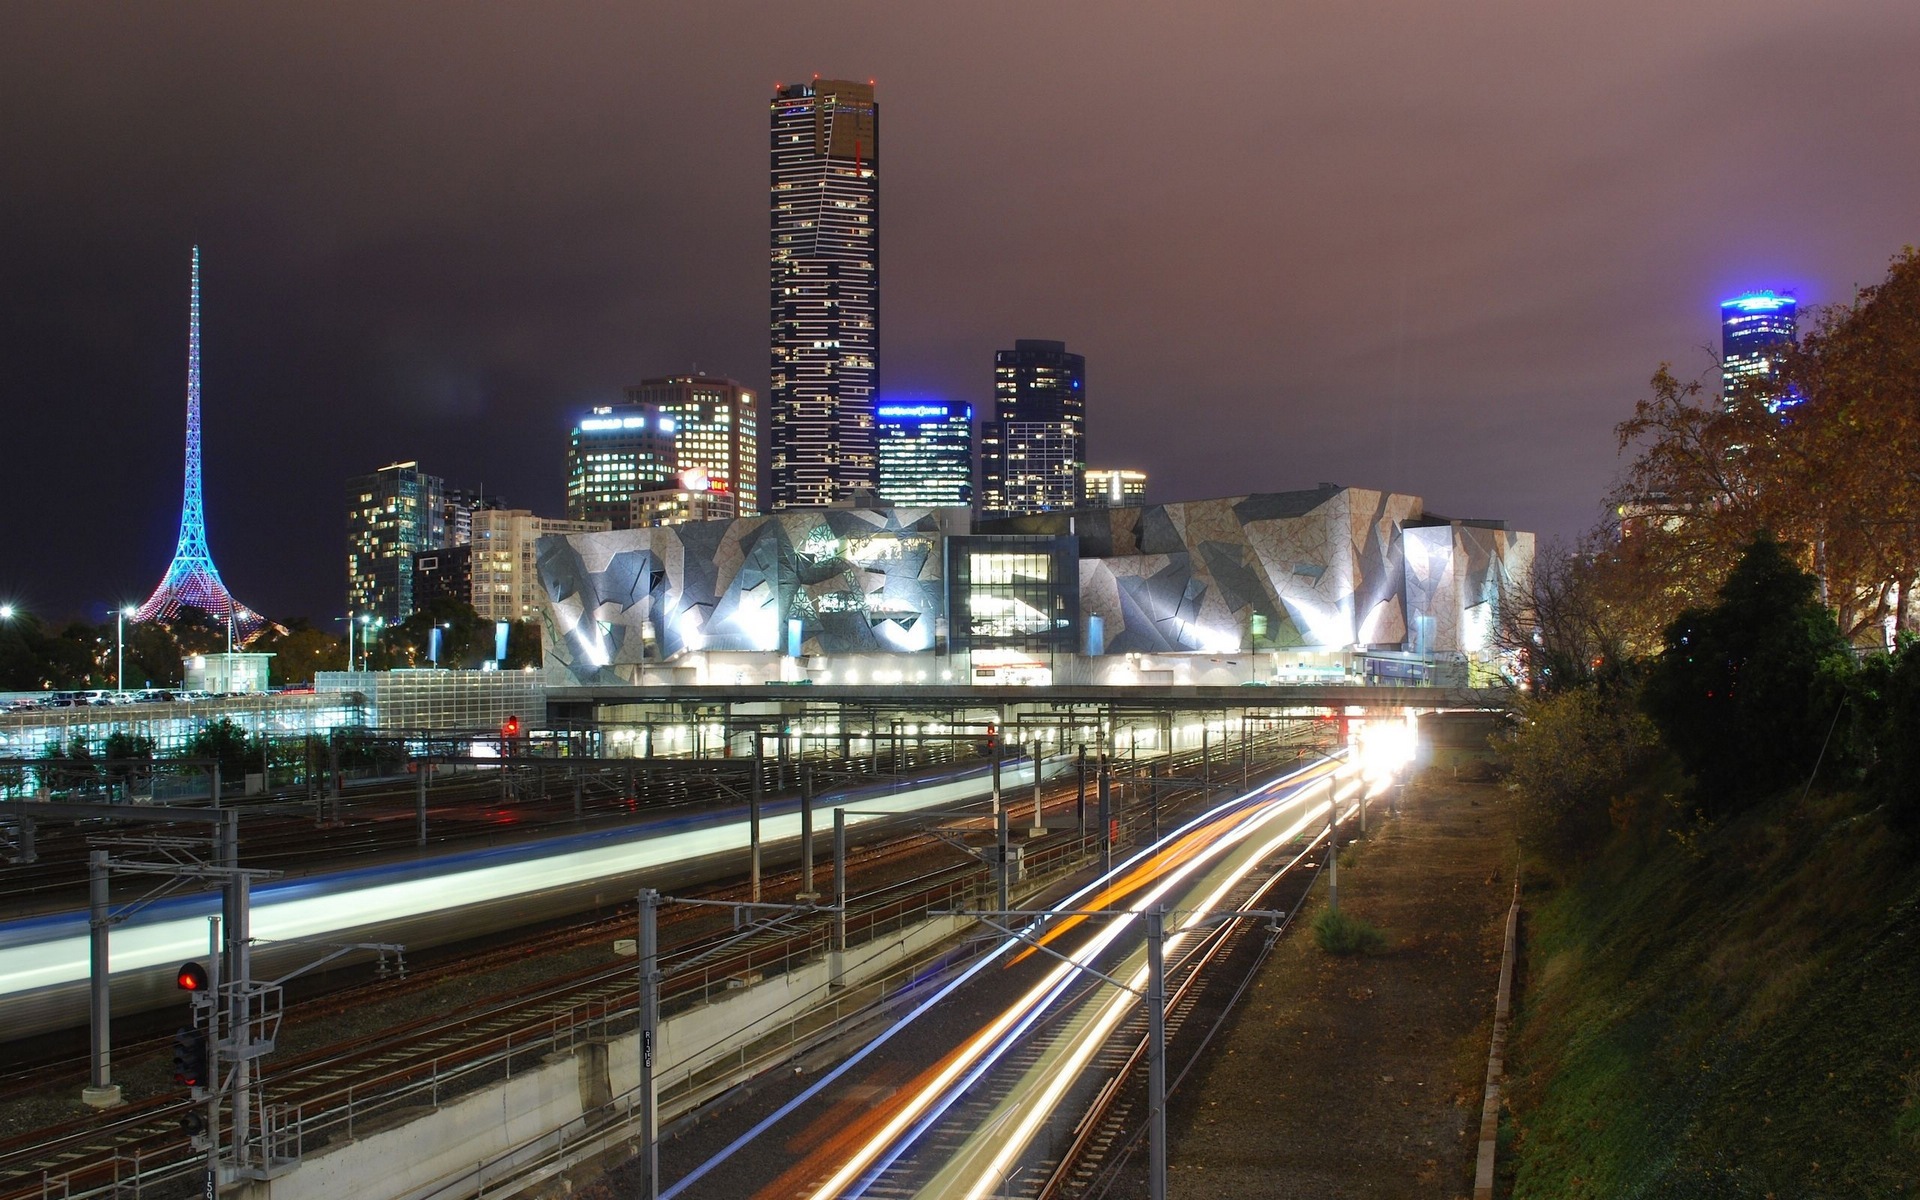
(428,1059)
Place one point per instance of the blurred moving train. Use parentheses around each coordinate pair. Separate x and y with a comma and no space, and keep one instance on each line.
(434,901)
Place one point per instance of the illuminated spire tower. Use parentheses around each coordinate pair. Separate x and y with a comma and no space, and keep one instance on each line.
(192,580)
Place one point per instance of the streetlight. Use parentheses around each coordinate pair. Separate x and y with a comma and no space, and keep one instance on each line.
(6,612)
(119,643)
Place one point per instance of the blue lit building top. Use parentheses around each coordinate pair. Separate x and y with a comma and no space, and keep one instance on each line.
(1753,327)
(925,451)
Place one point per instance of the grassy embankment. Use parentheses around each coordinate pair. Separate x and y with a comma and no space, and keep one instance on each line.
(1731,1014)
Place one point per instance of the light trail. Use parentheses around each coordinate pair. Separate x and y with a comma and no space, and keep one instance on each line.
(53,951)
(1166,866)
(767,1123)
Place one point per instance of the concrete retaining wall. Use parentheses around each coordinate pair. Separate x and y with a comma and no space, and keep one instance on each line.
(436,1153)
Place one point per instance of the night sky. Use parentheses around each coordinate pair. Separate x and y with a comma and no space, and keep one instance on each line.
(1436,248)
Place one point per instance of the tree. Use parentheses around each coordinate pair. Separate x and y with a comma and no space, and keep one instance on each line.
(300,651)
(1560,623)
(227,742)
(1744,691)
(1886,711)
(1857,441)
(1572,751)
(523,646)
(464,642)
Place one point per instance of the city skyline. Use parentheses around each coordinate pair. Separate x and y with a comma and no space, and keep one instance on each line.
(440,277)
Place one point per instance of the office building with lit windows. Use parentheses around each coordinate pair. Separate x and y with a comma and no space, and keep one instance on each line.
(825,312)
(1754,328)
(391,514)
(615,453)
(926,454)
(1033,450)
(695,499)
(1111,487)
(506,578)
(716,430)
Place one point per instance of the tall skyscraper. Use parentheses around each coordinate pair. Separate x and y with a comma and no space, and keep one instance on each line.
(391,514)
(1033,452)
(716,430)
(926,454)
(1753,329)
(614,454)
(825,292)
(191,579)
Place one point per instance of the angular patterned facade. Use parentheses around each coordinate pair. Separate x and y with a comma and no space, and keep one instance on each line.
(817,582)
(1330,579)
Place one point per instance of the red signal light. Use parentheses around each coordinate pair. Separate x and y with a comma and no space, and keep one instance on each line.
(510,727)
(192,977)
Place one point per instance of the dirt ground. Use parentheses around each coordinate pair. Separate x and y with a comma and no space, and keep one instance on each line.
(1361,1077)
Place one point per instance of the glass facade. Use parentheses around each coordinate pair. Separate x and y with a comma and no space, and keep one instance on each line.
(825,294)
(1753,328)
(716,431)
(1013,603)
(1033,453)
(392,514)
(615,454)
(926,454)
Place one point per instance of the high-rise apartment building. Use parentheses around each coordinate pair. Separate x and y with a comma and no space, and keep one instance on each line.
(458,506)
(1754,327)
(926,454)
(391,513)
(1033,451)
(825,316)
(1112,487)
(615,453)
(716,429)
(506,575)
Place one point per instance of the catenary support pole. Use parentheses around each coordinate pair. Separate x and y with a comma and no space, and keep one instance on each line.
(753,817)
(420,768)
(1106,817)
(1156,1052)
(1333,848)
(807,894)
(837,966)
(1003,867)
(1080,792)
(649,1131)
(101,1093)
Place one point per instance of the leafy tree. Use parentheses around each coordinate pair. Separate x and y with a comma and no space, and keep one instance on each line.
(300,651)
(227,742)
(465,639)
(198,631)
(154,658)
(1856,442)
(129,757)
(523,646)
(1886,713)
(1572,751)
(1745,691)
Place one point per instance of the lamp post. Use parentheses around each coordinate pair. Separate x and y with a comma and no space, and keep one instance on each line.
(119,643)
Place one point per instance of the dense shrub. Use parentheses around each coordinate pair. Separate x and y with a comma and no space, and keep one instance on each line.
(1338,932)
(1569,755)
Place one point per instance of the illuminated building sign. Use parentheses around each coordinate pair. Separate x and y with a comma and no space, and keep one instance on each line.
(922,412)
(604,424)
